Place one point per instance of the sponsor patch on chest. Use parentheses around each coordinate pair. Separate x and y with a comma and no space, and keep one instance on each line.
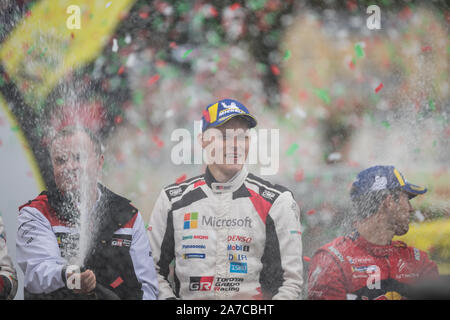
(238,267)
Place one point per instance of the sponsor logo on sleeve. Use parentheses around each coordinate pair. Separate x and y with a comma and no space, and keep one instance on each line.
(268,194)
(116,242)
(26,232)
(175,192)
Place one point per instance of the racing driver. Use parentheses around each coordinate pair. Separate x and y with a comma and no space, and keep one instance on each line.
(231,234)
(367,264)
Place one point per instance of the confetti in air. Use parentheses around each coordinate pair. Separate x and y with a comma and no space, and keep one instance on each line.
(323,95)
(181,179)
(431,105)
(377,89)
(235,6)
(287,55)
(118,120)
(153,79)
(292,149)
(299,175)
(275,70)
(158,141)
(115,46)
(187,53)
(359,51)
(143,15)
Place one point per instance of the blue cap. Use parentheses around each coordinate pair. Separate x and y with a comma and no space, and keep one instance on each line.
(383,177)
(222,111)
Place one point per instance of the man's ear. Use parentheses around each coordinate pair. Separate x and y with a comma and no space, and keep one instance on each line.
(387,203)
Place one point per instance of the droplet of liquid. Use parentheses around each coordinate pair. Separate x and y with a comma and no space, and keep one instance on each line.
(115,46)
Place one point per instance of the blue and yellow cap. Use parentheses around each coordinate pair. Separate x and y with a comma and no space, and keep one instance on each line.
(383,177)
(220,112)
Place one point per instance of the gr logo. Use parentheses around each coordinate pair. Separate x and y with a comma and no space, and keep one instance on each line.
(73,278)
(200,283)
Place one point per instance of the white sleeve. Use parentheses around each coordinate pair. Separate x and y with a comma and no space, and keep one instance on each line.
(6,265)
(141,255)
(286,216)
(161,241)
(37,253)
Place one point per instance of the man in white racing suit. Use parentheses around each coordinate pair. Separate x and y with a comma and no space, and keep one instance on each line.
(230,234)
(8,275)
(117,256)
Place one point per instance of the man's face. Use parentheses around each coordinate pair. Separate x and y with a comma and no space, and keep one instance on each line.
(75,162)
(398,215)
(228,144)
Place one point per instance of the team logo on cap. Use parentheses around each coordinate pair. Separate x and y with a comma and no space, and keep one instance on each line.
(223,110)
(231,105)
(379,184)
(211,114)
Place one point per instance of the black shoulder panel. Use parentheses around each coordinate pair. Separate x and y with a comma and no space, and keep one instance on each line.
(189,198)
(176,189)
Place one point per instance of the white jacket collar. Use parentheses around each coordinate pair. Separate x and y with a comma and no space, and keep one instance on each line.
(231,185)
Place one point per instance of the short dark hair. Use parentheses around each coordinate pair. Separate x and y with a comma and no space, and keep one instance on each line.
(71,130)
(368,204)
